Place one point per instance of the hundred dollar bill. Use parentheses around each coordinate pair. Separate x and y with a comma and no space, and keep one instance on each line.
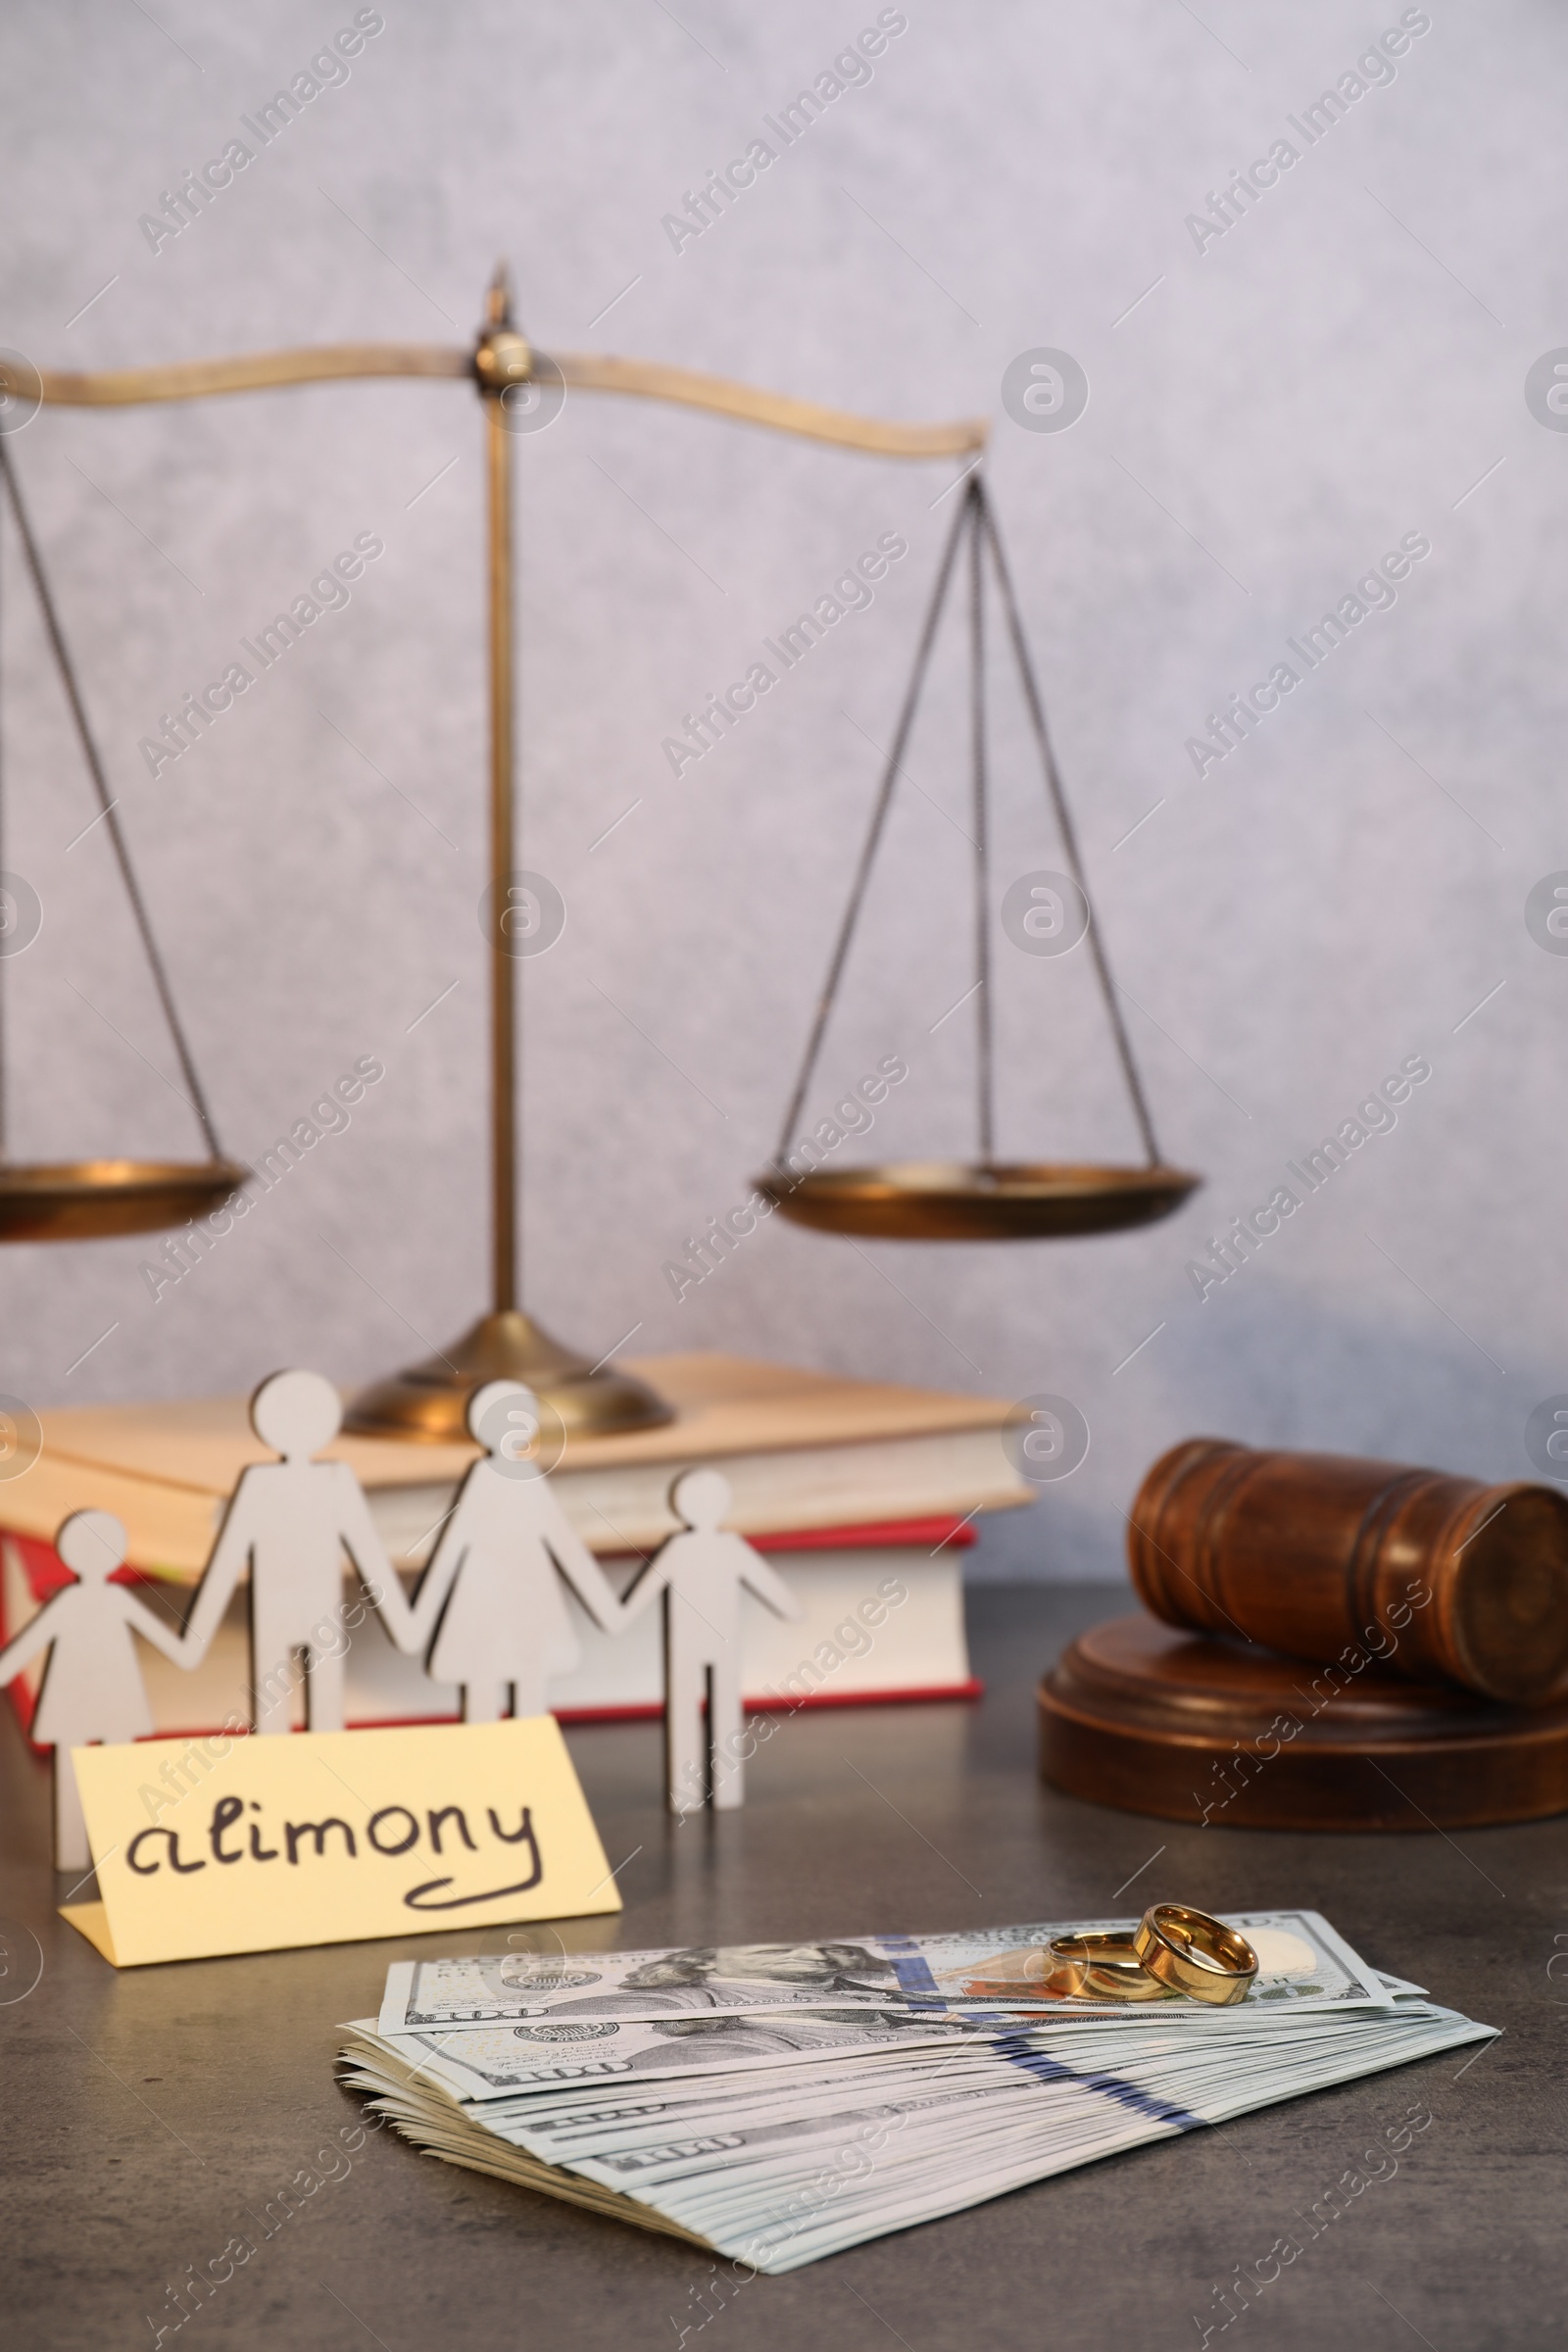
(562,2123)
(871,2140)
(490,2061)
(493,1988)
(1303,1964)
(882,2162)
(1122,2064)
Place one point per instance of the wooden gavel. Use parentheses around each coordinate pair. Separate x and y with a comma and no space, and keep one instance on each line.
(1331,1559)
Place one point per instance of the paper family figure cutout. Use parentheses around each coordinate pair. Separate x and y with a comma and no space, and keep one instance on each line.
(289,1522)
(488,1615)
(491,1596)
(702,1573)
(93,1687)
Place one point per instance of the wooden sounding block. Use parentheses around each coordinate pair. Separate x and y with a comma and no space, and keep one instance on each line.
(1322,1556)
(1201,1729)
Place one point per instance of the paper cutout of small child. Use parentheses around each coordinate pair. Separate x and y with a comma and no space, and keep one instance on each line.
(491,1596)
(702,1572)
(290,1522)
(92,1688)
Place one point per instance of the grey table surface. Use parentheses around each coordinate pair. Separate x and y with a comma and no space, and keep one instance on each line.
(149,2114)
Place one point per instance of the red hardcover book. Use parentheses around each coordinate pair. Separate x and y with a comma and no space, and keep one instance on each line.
(882,1624)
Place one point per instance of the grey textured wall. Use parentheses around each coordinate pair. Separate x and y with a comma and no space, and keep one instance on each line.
(1268,416)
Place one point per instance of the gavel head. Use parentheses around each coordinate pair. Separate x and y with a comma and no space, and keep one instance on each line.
(1331,1557)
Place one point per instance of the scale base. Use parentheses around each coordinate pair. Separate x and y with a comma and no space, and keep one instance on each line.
(428,1404)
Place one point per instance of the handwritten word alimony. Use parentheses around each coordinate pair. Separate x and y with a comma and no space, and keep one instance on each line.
(442,1834)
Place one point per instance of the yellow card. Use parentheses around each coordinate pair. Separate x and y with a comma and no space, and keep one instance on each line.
(332,1837)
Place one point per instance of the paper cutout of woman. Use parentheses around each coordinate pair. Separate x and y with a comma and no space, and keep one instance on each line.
(491,1596)
(92,1688)
(702,1572)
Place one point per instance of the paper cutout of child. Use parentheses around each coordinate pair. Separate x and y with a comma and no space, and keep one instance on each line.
(92,1688)
(290,1522)
(702,1572)
(491,1596)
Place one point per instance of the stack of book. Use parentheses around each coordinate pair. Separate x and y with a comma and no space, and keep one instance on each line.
(862,1496)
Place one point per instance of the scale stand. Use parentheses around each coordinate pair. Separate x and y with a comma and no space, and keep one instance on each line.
(429,1400)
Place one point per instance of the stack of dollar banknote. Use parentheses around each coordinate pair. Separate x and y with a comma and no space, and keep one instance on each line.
(778,2103)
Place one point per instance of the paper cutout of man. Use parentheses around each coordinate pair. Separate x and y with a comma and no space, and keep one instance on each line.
(92,1688)
(702,1573)
(491,1594)
(290,1523)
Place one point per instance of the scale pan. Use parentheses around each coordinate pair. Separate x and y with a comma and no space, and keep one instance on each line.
(93,1199)
(951,1200)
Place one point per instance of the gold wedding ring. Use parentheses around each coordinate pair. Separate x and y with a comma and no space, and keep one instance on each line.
(1094,1966)
(1173,1950)
(1103,1966)
(1190,1952)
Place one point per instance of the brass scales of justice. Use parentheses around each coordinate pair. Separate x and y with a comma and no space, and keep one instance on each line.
(911,1200)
